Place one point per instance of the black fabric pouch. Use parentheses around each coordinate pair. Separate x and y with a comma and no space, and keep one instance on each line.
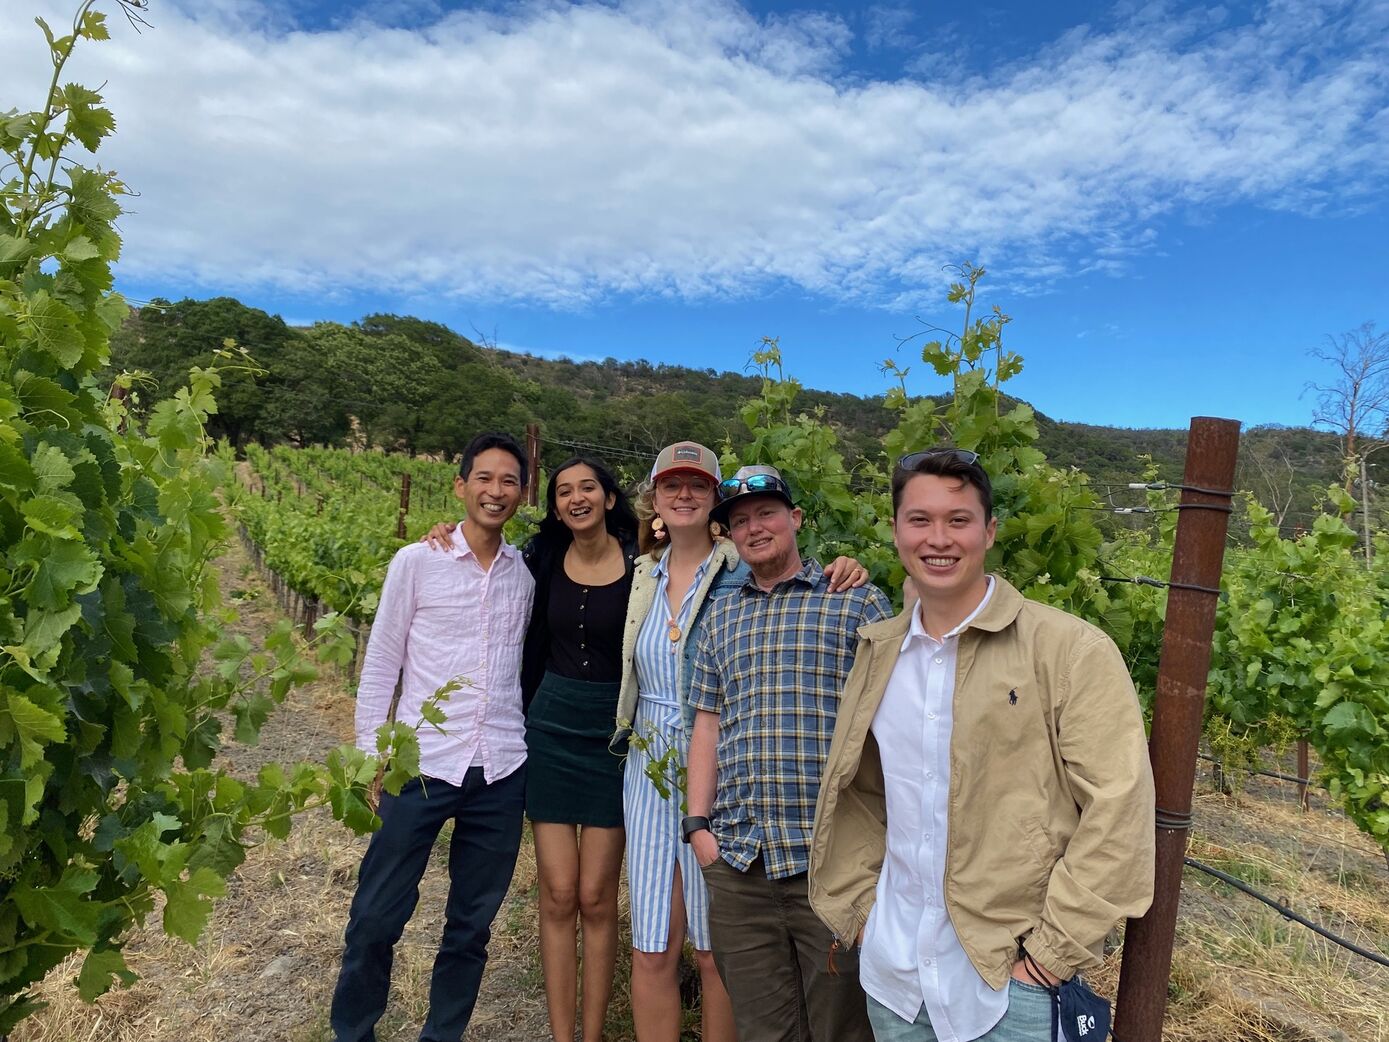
(1081,1015)
(1084,1015)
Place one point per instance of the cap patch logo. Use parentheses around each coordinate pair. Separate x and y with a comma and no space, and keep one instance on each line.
(687,454)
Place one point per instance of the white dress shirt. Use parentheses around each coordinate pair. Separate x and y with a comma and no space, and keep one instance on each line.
(911,953)
(442,617)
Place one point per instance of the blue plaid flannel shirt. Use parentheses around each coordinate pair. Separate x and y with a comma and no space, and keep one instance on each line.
(772,664)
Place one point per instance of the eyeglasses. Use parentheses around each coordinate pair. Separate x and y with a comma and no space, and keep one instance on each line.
(912,460)
(729,487)
(671,486)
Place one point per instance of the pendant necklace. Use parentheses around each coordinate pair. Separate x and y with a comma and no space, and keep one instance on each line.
(672,627)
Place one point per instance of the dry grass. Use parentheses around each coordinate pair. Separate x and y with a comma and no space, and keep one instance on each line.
(265,969)
(1243,973)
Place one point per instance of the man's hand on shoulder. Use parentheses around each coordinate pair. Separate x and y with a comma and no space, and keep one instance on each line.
(440,537)
(845,573)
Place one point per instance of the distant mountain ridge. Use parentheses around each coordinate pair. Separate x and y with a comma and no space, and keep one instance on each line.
(417,386)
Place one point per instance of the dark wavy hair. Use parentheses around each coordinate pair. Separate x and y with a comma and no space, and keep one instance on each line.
(620,520)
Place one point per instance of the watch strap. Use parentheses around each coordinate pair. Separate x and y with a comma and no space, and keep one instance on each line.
(692,823)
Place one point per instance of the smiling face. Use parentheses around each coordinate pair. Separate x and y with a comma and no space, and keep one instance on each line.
(580,501)
(764,528)
(684,499)
(942,536)
(492,490)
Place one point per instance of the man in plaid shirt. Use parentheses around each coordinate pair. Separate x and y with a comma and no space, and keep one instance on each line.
(770,666)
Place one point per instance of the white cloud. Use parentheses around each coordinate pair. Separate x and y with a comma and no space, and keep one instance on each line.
(563,153)
(889,26)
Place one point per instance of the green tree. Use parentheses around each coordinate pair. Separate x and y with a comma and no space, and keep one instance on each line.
(167,340)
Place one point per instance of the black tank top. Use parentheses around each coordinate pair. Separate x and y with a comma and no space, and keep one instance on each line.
(586,628)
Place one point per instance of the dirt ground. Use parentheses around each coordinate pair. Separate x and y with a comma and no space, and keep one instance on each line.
(265,969)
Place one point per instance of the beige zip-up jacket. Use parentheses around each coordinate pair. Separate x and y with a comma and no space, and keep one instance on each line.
(1051,793)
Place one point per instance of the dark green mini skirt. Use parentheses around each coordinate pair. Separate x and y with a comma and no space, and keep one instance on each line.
(572,777)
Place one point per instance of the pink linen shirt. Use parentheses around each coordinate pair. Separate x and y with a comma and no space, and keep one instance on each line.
(443,617)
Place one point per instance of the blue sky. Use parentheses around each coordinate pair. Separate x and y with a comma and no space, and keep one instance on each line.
(1175,202)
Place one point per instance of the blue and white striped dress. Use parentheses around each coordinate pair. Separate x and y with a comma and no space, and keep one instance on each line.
(653,823)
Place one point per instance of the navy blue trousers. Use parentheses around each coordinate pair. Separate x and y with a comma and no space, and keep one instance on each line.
(482,856)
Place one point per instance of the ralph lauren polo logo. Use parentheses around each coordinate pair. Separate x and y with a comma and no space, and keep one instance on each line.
(1013,697)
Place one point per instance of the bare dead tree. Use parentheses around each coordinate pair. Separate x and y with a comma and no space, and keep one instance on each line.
(1356,403)
(1262,457)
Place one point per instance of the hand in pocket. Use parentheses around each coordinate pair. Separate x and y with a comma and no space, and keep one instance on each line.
(706,848)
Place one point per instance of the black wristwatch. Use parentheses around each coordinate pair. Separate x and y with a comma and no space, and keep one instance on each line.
(692,823)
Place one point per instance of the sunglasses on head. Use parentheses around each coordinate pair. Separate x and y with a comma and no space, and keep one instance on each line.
(753,483)
(912,460)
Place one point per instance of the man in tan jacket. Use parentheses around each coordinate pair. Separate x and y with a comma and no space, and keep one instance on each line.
(986,811)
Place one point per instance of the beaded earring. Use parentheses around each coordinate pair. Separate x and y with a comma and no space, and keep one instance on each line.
(658,529)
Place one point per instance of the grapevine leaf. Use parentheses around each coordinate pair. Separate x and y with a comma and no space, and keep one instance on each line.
(218,847)
(187,909)
(1345,716)
(54,328)
(100,969)
(51,516)
(52,469)
(15,471)
(62,908)
(93,26)
(33,791)
(44,629)
(88,121)
(92,204)
(35,726)
(79,249)
(350,807)
(251,713)
(14,250)
(144,848)
(67,568)
(201,743)
(112,309)
(404,762)
(230,654)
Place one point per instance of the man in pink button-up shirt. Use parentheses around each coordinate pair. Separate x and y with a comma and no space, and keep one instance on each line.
(459,616)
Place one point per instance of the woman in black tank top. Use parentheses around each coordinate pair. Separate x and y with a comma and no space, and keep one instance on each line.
(582,560)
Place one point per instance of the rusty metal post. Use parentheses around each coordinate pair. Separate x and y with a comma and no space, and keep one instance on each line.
(533,455)
(1211,448)
(404,504)
(1303,766)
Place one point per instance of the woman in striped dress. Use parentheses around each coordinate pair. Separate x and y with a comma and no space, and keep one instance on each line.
(686,565)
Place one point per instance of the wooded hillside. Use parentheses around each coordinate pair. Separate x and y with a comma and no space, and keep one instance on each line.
(410,385)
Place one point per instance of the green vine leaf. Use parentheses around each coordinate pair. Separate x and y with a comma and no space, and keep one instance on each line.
(100,970)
